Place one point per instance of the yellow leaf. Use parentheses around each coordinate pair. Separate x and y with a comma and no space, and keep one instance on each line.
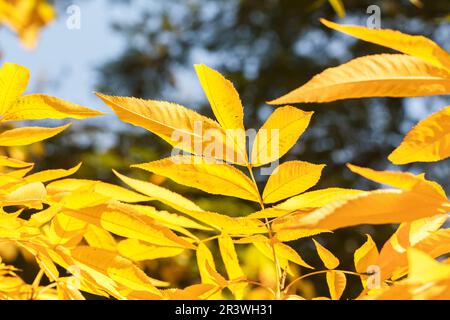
(229,225)
(226,105)
(19,173)
(328,259)
(181,127)
(119,269)
(66,291)
(207,267)
(66,230)
(44,216)
(401,180)
(140,251)
(40,106)
(99,238)
(285,235)
(169,219)
(366,255)
(99,187)
(423,234)
(279,134)
(231,262)
(28,135)
(13,163)
(30,195)
(283,252)
(212,177)
(428,141)
(26,18)
(164,195)
(384,75)
(418,46)
(229,257)
(84,197)
(291,178)
(372,207)
(424,269)
(194,292)
(126,222)
(13,82)
(307,200)
(48,175)
(336,284)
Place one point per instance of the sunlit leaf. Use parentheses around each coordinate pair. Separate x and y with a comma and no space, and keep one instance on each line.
(383,75)
(328,259)
(279,134)
(209,176)
(428,141)
(291,178)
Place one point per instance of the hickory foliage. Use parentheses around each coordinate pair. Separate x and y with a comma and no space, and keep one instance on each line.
(102,233)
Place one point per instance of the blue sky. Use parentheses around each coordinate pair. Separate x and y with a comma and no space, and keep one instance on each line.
(64,62)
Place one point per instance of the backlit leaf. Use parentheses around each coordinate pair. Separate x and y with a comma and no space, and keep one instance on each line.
(328,259)
(226,105)
(383,75)
(279,134)
(428,141)
(291,178)
(28,135)
(336,281)
(212,177)
(418,46)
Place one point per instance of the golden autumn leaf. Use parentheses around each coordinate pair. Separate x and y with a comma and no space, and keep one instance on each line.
(204,174)
(125,221)
(28,135)
(279,134)
(48,175)
(136,250)
(30,195)
(422,234)
(99,238)
(13,106)
(231,262)
(99,187)
(402,180)
(305,201)
(328,259)
(207,267)
(417,46)
(291,178)
(181,127)
(383,75)
(226,105)
(372,207)
(120,269)
(366,255)
(26,18)
(336,281)
(283,252)
(13,163)
(194,292)
(424,268)
(428,141)
(161,194)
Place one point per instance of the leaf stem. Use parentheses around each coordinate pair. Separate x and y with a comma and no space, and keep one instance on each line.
(270,232)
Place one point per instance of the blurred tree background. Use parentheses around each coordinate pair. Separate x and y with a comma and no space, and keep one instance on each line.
(266,48)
